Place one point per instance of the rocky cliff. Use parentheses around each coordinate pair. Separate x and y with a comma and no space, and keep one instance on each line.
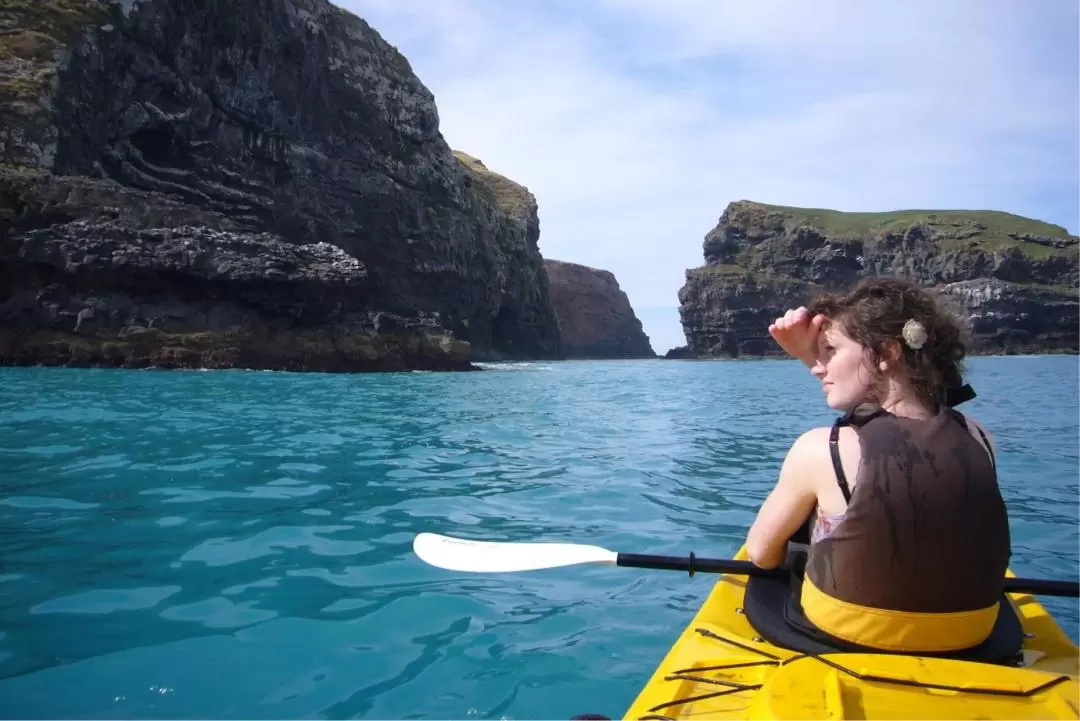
(595,316)
(1013,279)
(259,184)
(522,318)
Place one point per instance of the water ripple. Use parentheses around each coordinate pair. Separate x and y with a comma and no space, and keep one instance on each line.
(236,544)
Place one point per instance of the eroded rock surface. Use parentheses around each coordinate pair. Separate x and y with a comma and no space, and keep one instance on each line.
(595,316)
(1013,279)
(258,184)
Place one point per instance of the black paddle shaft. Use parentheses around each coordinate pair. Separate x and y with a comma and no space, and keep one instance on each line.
(693,564)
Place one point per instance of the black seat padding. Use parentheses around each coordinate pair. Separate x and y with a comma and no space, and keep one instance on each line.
(773,608)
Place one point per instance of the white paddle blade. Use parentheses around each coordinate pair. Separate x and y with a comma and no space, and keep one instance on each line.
(457,554)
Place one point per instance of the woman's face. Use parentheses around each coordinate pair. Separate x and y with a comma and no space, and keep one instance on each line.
(844,369)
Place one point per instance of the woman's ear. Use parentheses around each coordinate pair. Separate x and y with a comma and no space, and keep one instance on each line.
(891,356)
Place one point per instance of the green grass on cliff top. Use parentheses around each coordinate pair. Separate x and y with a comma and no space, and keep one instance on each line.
(40,29)
(511,197)
(60,20)
(993,227)
(837,222)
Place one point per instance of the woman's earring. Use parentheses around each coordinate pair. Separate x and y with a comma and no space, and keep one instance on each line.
(884,366)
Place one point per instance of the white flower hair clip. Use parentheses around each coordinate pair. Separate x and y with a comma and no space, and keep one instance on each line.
(914,334)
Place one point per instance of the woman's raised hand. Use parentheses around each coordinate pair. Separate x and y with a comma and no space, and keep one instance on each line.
(797,333)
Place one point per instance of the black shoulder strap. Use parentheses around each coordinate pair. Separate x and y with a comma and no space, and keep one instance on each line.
(986,441)
(834,451)
(989,448)
(959,418)
(857,417)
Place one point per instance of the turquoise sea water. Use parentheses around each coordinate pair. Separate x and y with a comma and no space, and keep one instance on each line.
(238,544)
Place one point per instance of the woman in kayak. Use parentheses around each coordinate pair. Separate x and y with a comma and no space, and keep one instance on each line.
(909,532)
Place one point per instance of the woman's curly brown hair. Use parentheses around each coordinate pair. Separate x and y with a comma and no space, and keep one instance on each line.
(874,313)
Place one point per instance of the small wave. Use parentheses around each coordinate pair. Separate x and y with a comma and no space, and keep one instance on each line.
(32,502)
(513,366)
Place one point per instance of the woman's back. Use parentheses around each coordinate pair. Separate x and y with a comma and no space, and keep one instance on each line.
(926,529)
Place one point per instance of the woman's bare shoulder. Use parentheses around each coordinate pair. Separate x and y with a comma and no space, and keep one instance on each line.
(810,453)
(811,444)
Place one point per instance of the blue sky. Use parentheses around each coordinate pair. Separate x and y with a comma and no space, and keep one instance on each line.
(635,122)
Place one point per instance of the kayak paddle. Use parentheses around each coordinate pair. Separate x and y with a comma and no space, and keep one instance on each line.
(458,554)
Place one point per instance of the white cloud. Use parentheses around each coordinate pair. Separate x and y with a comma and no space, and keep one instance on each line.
(635,122)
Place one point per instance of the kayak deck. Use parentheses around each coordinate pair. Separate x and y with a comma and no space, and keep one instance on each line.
(721,668)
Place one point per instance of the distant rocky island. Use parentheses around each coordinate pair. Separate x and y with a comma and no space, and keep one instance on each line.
(595,317)
(255,185)
(1014,280)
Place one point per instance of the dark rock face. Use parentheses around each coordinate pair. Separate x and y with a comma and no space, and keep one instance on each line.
(263,183)
(523,320)
(595,316)
(1013,280)
(1014,318)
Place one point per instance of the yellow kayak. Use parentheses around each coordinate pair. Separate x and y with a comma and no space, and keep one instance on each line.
(721,667)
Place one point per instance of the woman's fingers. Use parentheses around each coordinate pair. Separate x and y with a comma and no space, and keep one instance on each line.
(792,318)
